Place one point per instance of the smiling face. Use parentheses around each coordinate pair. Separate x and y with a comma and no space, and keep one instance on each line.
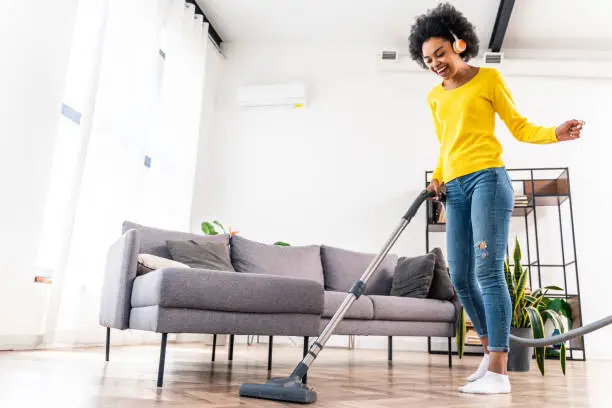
(440,57)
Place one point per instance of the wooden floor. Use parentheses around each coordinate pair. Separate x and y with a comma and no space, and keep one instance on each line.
(342,378)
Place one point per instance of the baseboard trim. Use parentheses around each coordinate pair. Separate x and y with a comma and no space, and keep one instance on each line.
(11,342)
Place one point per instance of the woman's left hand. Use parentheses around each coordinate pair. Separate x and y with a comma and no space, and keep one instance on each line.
(569,130)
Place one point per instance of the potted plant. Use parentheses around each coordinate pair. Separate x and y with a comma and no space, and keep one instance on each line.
(209,228)
(529,311)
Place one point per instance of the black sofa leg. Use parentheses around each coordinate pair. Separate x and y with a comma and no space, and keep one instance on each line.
(305,351)
(429,345)
(270,353)
(231,348)
(214,347)
(107,343)
(162,360)
(450,353)
(390,348)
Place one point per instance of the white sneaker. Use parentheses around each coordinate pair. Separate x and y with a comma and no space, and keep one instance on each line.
(490,383)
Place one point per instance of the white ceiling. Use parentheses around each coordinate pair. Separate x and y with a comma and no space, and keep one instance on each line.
(538,24)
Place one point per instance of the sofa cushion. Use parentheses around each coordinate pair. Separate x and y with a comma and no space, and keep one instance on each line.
(441,285)
(153,240)
(203,255)
(413,276)
(361,308)
(148,263)
(259,258)
(342,268)
(227,291)
(412,309)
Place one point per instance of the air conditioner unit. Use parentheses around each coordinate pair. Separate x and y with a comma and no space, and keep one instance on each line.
(289,95)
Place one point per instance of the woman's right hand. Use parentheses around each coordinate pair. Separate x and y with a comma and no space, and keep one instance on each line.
(435,187)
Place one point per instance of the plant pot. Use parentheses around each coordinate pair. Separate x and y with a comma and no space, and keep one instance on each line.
(519,356)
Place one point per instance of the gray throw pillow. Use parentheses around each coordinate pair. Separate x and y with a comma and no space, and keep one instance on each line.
(204,255)
(441,286)
(413,276)
(343,267)
(250,256)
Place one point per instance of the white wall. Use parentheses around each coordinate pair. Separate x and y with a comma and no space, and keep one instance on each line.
(343,170)
(34,44)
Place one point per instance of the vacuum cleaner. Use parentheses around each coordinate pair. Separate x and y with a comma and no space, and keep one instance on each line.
(292,388)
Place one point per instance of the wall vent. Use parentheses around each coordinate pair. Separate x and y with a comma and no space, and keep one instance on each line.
(493,57)
(389,55)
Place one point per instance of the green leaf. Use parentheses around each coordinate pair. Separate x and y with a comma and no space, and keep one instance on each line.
(534,301)
(517,251)
(563,358)
(208,228)
(556,319)
(560,306)
(558,323)
(518,270)
(281,243)
(537,329)
(519,294)
(221,226)
(509,282)
(525,323)
(545,289)
(460,335)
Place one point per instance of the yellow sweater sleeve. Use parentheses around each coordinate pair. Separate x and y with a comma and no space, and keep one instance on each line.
(517,124)
(437,173)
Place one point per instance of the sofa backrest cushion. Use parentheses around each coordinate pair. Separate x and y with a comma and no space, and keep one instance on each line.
(153,240)
(204,255)
(342,268)
(293,261)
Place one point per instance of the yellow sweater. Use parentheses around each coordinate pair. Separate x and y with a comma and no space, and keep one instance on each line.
(464,119)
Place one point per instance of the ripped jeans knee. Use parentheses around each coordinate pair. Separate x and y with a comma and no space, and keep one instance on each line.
(482,247)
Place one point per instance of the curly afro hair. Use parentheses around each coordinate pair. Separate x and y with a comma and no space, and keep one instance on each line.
(438,22)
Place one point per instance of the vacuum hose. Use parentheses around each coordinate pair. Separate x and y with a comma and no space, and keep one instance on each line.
(547,341)
(560,338)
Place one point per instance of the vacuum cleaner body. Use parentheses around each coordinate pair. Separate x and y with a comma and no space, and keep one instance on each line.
(289,389)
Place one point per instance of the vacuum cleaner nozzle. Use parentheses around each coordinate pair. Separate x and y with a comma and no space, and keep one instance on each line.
(280,389)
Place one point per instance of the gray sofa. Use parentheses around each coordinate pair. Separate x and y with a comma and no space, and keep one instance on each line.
(272,291)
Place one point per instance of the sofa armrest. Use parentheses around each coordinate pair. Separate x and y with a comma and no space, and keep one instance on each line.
(119,275)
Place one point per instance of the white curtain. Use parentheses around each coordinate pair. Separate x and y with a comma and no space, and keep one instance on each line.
(141,78)
(168,184)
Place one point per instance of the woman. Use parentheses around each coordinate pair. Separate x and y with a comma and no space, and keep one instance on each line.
(479,195)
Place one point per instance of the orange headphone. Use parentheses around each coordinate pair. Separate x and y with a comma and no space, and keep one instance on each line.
(459,45)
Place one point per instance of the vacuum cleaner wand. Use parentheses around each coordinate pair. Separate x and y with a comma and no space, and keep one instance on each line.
(291,388)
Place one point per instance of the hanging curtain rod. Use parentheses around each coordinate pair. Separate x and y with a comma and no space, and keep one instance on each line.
(212,32)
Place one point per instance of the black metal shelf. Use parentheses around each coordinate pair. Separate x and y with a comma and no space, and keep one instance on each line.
(549,190)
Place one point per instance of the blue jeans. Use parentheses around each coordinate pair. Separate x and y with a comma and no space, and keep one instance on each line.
(478,210)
